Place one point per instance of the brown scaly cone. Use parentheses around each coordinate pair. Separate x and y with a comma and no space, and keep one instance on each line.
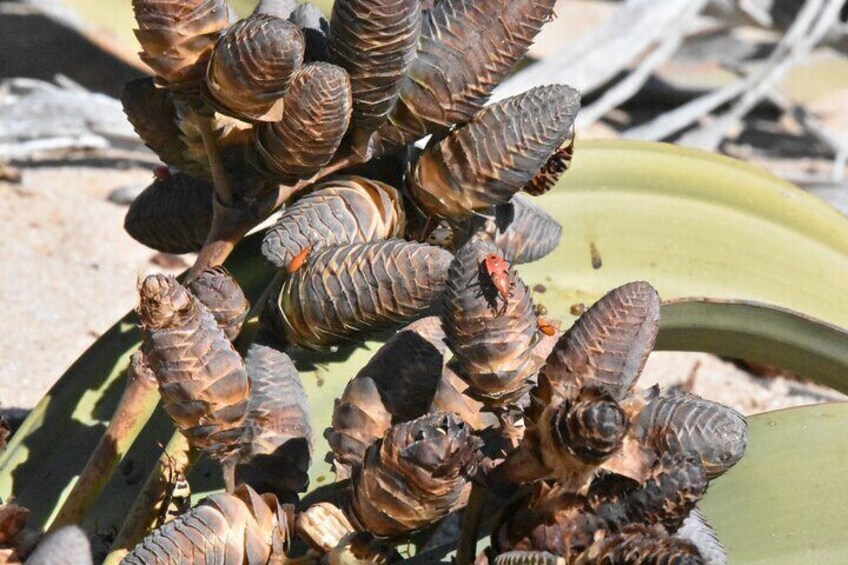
(318,108)
(599,358)
(172,215)
(278,438)
(154,115)
(607,347)
(640,545)
(221,294)
(491,336)
(403,380)
(674,486)
(344,210)
(466,49)
(528,558)
(682,423)
(374,40)
(416,475)
(252,66)
(67,546)
(346,292)
(242,527)
(328,531)
(202,379)
(177,37)
(487,160)
(524,231)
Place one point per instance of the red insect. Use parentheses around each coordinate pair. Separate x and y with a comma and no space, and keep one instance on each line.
(299,259)
(496,270)
(161,173)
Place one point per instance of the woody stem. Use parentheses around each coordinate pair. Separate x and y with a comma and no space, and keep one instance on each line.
(466,551)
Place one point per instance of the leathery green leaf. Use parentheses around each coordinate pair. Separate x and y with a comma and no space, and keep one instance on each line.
(784,503)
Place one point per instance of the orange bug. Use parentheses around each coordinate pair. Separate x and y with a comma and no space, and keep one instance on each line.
(548,328)
(299,259)
(496,270)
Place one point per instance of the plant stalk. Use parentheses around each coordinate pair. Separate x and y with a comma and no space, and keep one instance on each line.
(177,457)
(466,551)
(134,410)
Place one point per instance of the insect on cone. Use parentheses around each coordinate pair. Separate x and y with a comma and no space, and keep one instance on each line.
(345,292)
(487,160)
(344,210)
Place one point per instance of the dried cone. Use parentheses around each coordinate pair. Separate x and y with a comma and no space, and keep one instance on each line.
(404,380)
(374,40)
(415,476)
(607,347)
(323,526)
(491,336)
(524,232)
(15,542)
(221,294)
(343,210)
(345,292)
(172,215)
(242,527)
(177,36)
(640,545)
(568,442)
(252,66)
(202,379)
(317,114)
(486,161)
(278,435)
(360,419)
(676,483)
(550,520)
(155,118)
(681,423)
(67,546)
(466,49)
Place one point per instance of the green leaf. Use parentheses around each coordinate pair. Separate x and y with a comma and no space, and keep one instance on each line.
(759,333)
(784,503)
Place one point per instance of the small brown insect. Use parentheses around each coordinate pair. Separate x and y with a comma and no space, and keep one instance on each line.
(299,259)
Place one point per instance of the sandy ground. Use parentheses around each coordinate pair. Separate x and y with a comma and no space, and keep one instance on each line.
(68,272)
